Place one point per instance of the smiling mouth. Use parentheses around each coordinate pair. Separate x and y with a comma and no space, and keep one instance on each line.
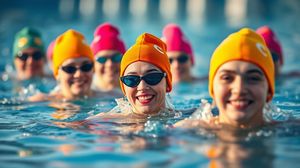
(240,104)
(145,99)
(78,82)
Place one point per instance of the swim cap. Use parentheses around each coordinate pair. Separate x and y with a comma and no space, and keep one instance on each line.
(151,49)
(26,38)
(106,37)
(271,41)
(176,41)
(244,45)
(70,44)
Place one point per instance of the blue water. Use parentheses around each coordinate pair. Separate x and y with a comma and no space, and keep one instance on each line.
(38,135)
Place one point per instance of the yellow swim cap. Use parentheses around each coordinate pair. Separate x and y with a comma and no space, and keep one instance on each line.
(70,44)
(244,45)
(151,49)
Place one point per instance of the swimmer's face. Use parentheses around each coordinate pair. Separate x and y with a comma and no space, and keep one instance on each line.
(145,99)
(29,63)
(180,66)
(75,77)
(240,90)
(107,68)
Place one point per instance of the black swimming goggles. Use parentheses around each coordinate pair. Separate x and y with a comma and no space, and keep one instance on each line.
(116,58)
(37,55)
(150,79)
(70,69)
(181,59)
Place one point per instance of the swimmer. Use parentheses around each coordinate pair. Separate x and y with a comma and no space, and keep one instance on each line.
(29,54)
(180,53)
(241,82)
(145,78)
(108,49)
(73,69)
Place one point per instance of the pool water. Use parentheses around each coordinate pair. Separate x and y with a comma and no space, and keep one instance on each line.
(49,134)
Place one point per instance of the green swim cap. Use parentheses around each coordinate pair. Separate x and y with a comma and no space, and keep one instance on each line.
(25,38)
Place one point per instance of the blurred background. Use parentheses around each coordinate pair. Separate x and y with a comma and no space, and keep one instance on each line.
(205,22)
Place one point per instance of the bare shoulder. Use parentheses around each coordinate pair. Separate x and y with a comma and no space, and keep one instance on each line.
(190,123)
(198,123)
(108,116)
(45,97)
(38,97)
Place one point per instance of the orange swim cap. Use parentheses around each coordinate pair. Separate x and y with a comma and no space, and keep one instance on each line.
(70,44)
(151,49)
(244,45)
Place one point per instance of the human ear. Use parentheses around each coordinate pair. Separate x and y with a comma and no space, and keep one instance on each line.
(269,95)
(168,89)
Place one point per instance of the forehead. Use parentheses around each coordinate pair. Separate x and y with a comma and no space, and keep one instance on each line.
(75,61)
(107,53)
(174,53)
(140,67)
(239,66)
(30,50)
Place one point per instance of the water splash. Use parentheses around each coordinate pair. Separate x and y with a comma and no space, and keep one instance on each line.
(26,92)
(10,101)
(273,113)
(204,112)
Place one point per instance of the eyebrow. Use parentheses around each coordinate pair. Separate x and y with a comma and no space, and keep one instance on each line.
(226,71)
(80,64)
(86,62)
(248,72)
(148,71)
(152,70)
(255,71)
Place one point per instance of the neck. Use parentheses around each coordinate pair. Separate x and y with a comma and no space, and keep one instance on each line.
(187,78)
(23,77)
(107,86)
(68,96)
(256,121)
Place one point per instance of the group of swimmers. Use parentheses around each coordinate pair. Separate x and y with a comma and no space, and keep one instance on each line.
(241,75)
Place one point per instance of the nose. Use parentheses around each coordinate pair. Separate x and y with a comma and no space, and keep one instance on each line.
(109,63)
(142,85)
(30,59)
(239,86)
(175,63)
(78,73)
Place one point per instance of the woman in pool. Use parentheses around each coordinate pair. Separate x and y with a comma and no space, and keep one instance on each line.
(180,53)
(145,79)
(108,49)
(241,81)
(73,68)
(29,54)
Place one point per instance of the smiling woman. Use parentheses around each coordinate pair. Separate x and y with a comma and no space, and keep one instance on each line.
(145,78)
(108,48)
(241,80)
(29,54)
(180,53)
(73,68)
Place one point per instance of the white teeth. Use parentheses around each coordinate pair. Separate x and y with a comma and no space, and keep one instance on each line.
(240,102)
(144,97)
(78,82)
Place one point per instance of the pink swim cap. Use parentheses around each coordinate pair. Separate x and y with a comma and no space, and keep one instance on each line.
(106,37)
(176,41)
